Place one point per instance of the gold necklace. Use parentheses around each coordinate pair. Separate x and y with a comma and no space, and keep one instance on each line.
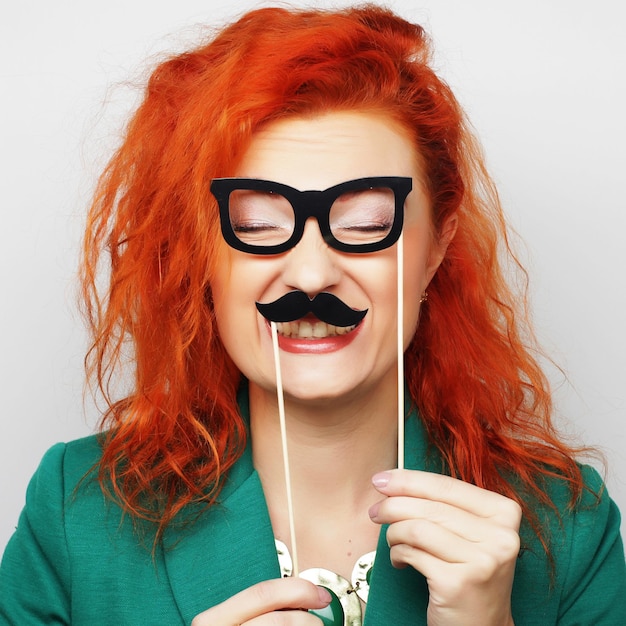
(344,608)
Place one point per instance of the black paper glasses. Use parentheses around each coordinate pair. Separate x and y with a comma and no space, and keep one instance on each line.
(266,217)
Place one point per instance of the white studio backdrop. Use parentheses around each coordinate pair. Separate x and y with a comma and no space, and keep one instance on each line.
(543,82)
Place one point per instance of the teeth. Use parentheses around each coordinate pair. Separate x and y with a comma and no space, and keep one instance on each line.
(307,330)
(320,329)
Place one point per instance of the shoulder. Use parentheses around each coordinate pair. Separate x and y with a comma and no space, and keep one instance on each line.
(36,565)
(592,514)
(584,580)
(64,470)
(69,462)
(61,470)
(574,526)
(66,476)
(592,528)
(589,553)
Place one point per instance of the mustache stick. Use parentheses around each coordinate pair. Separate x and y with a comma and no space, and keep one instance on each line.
(400,337)
(283,437)
(281,398)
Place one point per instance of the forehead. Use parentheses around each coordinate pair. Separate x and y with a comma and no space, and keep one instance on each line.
(324,150)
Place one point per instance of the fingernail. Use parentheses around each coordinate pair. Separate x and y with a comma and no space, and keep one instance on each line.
(373,511)
(324,595)
(381,479)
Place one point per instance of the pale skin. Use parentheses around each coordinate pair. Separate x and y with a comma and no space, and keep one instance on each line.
(341,405)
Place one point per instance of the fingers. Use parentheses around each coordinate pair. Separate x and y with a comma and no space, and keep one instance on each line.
(418,542)
(444,490)
(430,520)
(462,538)
(285,618)
(258,605)
(456,520)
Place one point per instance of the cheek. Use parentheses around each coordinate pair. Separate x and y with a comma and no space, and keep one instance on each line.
(236,323)
(239,281)
(418,250)
(415,280)
(231,284)
(229,296)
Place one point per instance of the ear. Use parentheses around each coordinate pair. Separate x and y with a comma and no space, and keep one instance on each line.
(440,245)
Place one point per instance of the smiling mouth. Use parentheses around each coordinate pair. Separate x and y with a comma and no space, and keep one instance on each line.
(316,329)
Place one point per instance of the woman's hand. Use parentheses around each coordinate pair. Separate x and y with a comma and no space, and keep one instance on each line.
(463,539)
(282,601)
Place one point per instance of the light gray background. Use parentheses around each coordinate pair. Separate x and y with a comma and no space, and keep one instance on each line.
(543,82)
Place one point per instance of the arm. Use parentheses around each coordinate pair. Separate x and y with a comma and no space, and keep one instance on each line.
(35,570)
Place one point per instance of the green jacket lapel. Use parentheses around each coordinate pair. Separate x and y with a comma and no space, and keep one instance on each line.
(227,549)
(400,596)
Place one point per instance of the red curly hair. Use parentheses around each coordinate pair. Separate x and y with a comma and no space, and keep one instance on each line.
(171,440)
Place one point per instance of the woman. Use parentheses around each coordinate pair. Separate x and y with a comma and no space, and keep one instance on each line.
(178,511)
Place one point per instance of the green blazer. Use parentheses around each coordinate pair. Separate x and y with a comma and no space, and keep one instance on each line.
(75,559)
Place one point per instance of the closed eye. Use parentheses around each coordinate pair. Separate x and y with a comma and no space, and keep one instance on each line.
(252,227)
(365,227)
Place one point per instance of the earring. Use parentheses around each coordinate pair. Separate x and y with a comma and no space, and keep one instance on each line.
(424,297)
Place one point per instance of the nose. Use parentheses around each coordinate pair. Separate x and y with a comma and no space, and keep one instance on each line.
(311,265)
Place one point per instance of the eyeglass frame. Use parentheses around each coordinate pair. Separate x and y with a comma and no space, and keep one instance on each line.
(311,203)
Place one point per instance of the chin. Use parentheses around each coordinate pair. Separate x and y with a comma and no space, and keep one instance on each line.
(320,393)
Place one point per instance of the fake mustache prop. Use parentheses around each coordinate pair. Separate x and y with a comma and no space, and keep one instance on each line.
(325,306)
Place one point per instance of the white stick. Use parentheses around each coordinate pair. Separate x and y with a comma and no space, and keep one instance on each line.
(283,437)
(400,322)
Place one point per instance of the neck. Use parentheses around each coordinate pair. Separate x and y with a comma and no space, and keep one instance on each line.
(334,449)
(351,439)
